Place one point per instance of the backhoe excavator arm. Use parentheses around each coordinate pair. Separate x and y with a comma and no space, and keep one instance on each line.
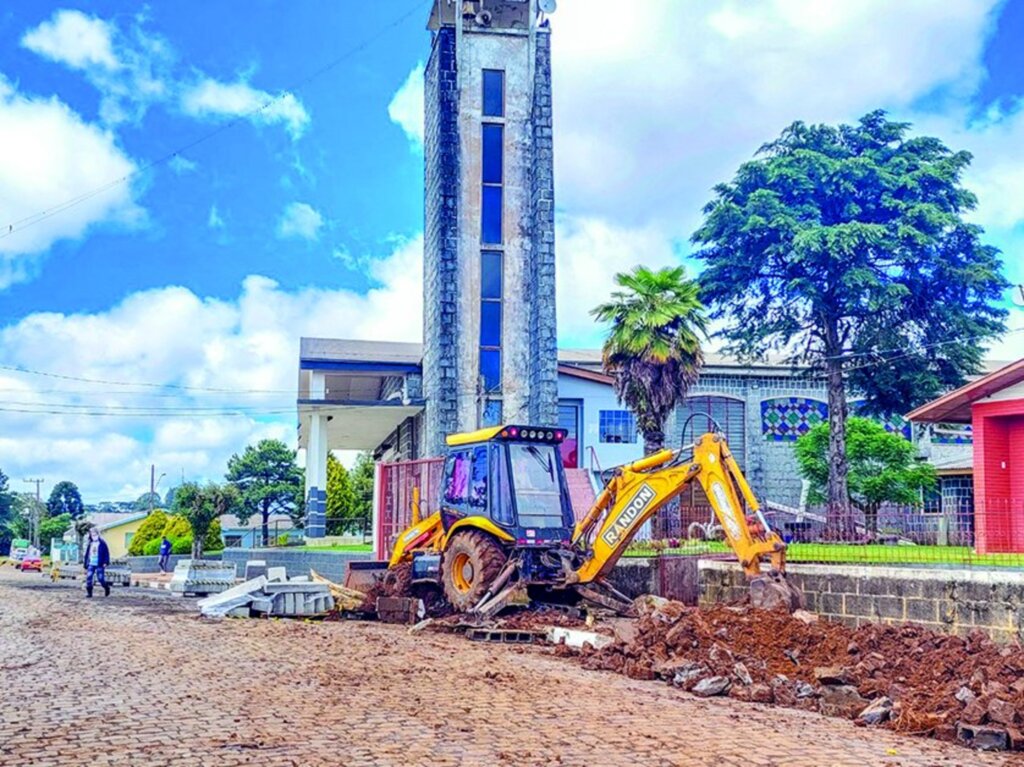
(638,490)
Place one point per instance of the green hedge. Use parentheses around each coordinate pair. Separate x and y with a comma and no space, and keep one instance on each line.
(150,529)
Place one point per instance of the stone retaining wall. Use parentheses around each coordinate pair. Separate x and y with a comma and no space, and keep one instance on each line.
(952,600)
(152,564)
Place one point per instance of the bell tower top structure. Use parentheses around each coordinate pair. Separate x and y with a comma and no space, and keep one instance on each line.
(489,258)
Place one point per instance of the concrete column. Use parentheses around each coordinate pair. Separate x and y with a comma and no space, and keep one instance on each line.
(316,464)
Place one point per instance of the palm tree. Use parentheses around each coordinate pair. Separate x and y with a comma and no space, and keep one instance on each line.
(653,347)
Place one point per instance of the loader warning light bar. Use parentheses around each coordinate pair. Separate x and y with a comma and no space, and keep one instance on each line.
(532,434)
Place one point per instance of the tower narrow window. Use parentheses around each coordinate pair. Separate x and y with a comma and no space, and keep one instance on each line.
(492,174)
(490,318)
(494,93)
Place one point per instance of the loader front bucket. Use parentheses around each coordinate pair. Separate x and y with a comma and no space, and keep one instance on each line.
(772,591)
(363,575)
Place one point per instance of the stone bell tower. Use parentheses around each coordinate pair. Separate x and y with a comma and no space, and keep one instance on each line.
(490,351)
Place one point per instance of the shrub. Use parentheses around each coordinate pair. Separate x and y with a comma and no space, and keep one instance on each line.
(177,527)
(182,545)
(150,529)
(152,548)
(282,540)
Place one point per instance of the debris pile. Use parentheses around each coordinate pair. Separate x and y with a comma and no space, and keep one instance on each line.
(905,677)
(273,594)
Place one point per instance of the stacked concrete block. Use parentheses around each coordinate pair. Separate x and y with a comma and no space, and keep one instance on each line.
(192,576)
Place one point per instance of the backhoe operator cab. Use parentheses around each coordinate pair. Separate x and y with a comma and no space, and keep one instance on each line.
(512,476)
(502,487)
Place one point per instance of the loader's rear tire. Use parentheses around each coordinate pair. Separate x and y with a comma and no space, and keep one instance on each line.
(470,564)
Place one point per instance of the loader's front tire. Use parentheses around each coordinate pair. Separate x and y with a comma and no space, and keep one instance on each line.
(470,564)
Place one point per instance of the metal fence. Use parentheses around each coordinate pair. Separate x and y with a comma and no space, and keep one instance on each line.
(395,497)
(966,534)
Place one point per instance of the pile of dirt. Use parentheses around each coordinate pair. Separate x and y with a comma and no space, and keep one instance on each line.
(906,677)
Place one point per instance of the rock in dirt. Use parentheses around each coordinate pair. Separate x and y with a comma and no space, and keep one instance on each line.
(741,673)
(1002,711)
(975,711)
(804,690)
(711,686)
(805,617)
(843,701)
(833,675)
(877,712)
(964,695)
(687,674)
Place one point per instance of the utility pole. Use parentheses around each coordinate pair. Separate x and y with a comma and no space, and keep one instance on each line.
(33,520)
(153,482)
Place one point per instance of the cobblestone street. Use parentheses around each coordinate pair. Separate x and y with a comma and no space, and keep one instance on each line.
(138,679)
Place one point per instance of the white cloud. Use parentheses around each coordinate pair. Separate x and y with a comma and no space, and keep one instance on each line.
(181,165)
(49,155)
(131,69)
(590,253)
(214,219)
(678,95)
(406,107)
(300,220)
(73,38)
(248,344)
(212,99)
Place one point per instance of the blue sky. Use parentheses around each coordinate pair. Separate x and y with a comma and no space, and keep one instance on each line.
(189,284)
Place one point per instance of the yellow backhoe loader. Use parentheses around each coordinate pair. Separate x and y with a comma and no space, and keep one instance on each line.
(505,533)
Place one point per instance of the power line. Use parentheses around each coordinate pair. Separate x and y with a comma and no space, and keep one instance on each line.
(177,387)
(226,412)
(35,218)
(913,352)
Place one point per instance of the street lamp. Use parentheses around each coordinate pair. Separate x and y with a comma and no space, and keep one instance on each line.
(153,482)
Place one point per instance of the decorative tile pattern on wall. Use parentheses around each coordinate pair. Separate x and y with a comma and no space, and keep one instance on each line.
(952,434)
(786,418)
(894,424)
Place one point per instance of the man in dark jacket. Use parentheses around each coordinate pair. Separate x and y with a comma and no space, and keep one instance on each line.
(165,554)
(97,557)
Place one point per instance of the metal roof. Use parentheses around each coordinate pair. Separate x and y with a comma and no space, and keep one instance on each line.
(350,350)
(955,406)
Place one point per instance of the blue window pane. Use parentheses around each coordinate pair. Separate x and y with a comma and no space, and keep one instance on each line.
(490,323)
(494,140)
(494,93)
(490,368)
(616,426)
(490,274)
(490,214)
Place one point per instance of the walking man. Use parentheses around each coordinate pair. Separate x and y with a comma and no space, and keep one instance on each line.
(165,554)
(97,557)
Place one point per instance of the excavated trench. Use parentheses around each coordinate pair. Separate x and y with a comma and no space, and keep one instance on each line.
(905,677)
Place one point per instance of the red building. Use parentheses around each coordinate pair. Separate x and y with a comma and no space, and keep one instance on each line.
(994,407)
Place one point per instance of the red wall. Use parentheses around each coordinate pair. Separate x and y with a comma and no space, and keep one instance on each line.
(999,475)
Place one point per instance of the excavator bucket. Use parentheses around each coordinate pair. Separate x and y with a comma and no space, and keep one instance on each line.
(772,591)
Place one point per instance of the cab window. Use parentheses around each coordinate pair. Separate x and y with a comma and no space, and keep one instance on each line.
(478,482)
(537,485)
(456,488)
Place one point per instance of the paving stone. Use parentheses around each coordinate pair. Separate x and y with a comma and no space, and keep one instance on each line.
(180,692)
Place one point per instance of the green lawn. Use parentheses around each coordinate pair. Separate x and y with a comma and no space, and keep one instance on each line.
(341,547)
(866,554)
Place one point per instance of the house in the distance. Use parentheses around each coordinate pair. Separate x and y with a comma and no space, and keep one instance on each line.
(250,535)
(990,412)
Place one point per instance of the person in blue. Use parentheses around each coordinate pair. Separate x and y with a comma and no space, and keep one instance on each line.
(97,557)
(165,554)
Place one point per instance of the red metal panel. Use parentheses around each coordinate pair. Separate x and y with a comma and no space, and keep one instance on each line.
(998,469)
(395,495)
